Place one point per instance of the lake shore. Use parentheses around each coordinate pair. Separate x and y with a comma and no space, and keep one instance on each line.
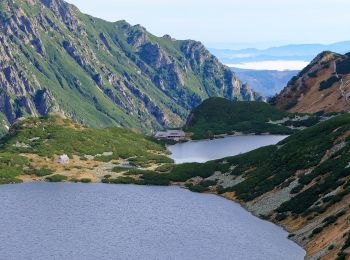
(96,172)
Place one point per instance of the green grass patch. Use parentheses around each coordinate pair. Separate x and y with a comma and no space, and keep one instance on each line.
(217,116)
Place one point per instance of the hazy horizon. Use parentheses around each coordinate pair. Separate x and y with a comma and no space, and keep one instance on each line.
(262,45)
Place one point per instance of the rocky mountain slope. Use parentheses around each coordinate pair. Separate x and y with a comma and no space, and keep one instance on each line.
(53,58)
(324,85)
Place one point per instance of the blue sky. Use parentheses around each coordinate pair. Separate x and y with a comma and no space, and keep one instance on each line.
(248,23)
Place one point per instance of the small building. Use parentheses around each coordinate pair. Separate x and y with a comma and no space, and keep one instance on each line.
(63,159)
(170,135)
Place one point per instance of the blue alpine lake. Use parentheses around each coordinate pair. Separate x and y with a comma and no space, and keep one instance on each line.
(41,221)
(206,150)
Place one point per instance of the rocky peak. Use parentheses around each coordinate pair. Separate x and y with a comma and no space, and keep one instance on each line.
(59,7)
(136,35)
(196,51)
(154,55)
(65,12)
(325,56)
(168,37)
(321,86)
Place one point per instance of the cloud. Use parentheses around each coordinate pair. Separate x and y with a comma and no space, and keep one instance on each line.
(280,65)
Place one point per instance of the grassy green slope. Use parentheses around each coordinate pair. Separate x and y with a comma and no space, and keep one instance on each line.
(52,136)
(72,85)
(220,116)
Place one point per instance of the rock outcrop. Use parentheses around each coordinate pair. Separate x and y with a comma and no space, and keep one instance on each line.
(322,86)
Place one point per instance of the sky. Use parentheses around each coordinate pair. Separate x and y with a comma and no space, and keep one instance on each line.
(235,23)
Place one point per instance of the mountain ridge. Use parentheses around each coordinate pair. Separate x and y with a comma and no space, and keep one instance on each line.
(304,52)
(102,73)
(320,87)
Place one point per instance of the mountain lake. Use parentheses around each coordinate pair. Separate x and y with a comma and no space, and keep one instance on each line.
(98,221)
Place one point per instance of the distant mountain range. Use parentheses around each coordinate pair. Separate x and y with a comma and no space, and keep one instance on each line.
(269,70)
(266,82)
(302,52)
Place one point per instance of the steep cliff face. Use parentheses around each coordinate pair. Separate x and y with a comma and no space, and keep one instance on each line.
(321,86)
(55,59)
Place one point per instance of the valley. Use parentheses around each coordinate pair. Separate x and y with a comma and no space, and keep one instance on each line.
(267,82)
(83,101)
(300,183)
